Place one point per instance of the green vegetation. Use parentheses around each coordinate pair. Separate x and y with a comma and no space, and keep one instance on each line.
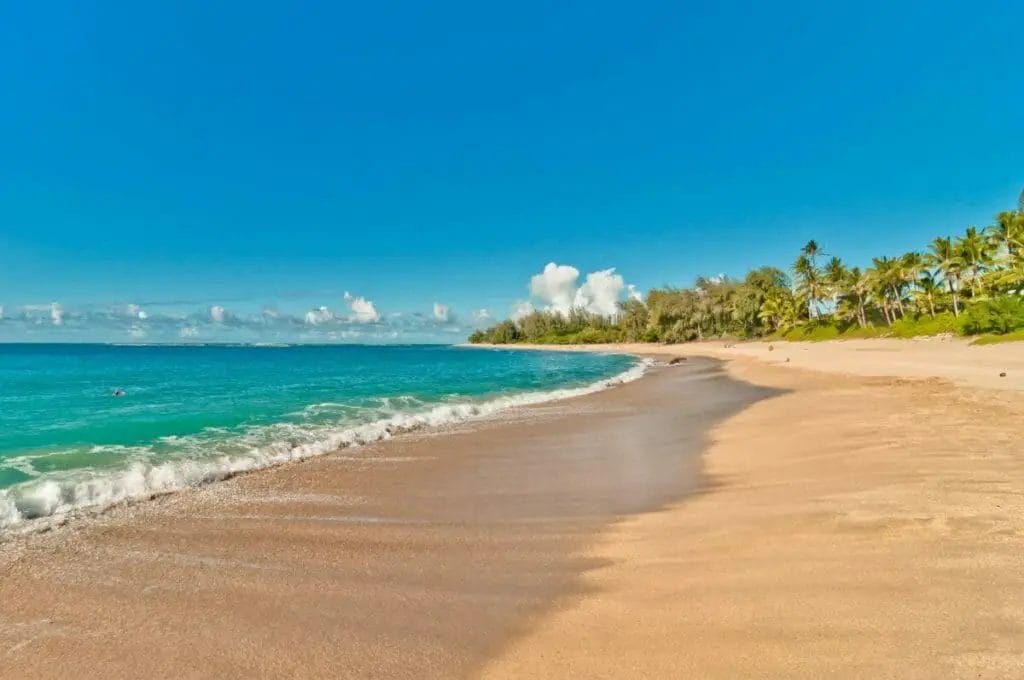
(971,284)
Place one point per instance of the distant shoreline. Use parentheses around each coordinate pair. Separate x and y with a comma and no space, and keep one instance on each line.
(946,358)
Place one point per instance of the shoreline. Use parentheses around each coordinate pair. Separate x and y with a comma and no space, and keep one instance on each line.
(736,516)
(951,359)
(420,557)
(13,525)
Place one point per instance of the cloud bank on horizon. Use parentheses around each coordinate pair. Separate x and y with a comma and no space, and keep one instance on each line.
(357,319)
(354,318)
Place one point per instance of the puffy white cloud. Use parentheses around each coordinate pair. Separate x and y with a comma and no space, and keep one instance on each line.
(521,309)
(315,317)
(188,332)
(218,314)
(442,313)
(600,293)
(137,312)
(1,312)
(481,316)
(137,331)
(555,286)
(363,310)
(632,293)
(56,314)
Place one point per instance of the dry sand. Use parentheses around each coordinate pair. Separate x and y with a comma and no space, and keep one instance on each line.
(837,525)
(851,528)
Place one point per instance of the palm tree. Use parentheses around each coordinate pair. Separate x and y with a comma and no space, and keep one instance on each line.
(947,259)
(837,277)
(889,278)
(811,250)
(928,286)
(810,285)
(975,250)
(860,288)
(1008,232)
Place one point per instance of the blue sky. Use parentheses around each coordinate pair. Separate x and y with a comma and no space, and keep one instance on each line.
(266,159)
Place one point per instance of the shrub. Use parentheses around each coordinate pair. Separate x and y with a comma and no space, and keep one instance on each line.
(999,315)
(909,327)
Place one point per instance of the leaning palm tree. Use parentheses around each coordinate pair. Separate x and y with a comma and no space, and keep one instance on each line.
(945,256)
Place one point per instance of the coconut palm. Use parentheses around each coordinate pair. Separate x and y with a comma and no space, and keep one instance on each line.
(1008,232)
(810,284)
(946,257)
(928,288)
(975,251)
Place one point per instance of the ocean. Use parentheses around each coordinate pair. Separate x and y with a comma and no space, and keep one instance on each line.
(84,427)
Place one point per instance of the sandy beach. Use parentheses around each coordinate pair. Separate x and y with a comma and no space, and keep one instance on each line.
(854,512)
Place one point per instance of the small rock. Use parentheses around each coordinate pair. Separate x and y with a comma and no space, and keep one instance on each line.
(787,360)
(676,360)
(771,348)
(1003,374)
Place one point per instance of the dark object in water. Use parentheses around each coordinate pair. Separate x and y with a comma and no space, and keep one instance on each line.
(676,360)
(119,393)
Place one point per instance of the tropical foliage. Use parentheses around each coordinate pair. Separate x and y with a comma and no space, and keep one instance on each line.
(971,283)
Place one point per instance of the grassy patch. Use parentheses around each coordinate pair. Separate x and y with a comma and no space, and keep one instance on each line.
(995,339)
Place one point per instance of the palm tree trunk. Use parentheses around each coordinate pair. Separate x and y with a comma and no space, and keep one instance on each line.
(899,302)
(931,305)
(956,299)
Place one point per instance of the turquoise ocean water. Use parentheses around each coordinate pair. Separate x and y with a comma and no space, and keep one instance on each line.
(194,414)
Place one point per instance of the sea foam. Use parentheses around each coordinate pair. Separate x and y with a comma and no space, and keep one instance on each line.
(52,499)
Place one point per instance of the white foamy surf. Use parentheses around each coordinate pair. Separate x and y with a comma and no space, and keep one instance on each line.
(53,499)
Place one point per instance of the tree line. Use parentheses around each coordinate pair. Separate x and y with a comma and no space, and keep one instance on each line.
(969,284)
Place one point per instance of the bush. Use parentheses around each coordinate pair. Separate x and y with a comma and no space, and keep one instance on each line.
(909,327)
(999,315)
(817,330)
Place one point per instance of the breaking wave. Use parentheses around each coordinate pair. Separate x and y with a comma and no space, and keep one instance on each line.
(53,498)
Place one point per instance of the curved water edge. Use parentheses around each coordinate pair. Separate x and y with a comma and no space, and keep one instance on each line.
(41,504)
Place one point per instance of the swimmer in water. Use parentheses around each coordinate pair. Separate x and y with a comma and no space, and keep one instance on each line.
(119,392)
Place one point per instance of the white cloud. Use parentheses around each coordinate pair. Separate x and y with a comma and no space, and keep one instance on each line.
(137,331)
(632,293)
(189,332)
(521,309)
(363,310)
(481,316)
(56,314)
(600,293)
(442,313)
(555,286)
(137,312)
(218,314)
(315,317)
(1,312)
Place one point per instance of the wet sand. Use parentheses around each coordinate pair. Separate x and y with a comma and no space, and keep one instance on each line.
(421,557)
